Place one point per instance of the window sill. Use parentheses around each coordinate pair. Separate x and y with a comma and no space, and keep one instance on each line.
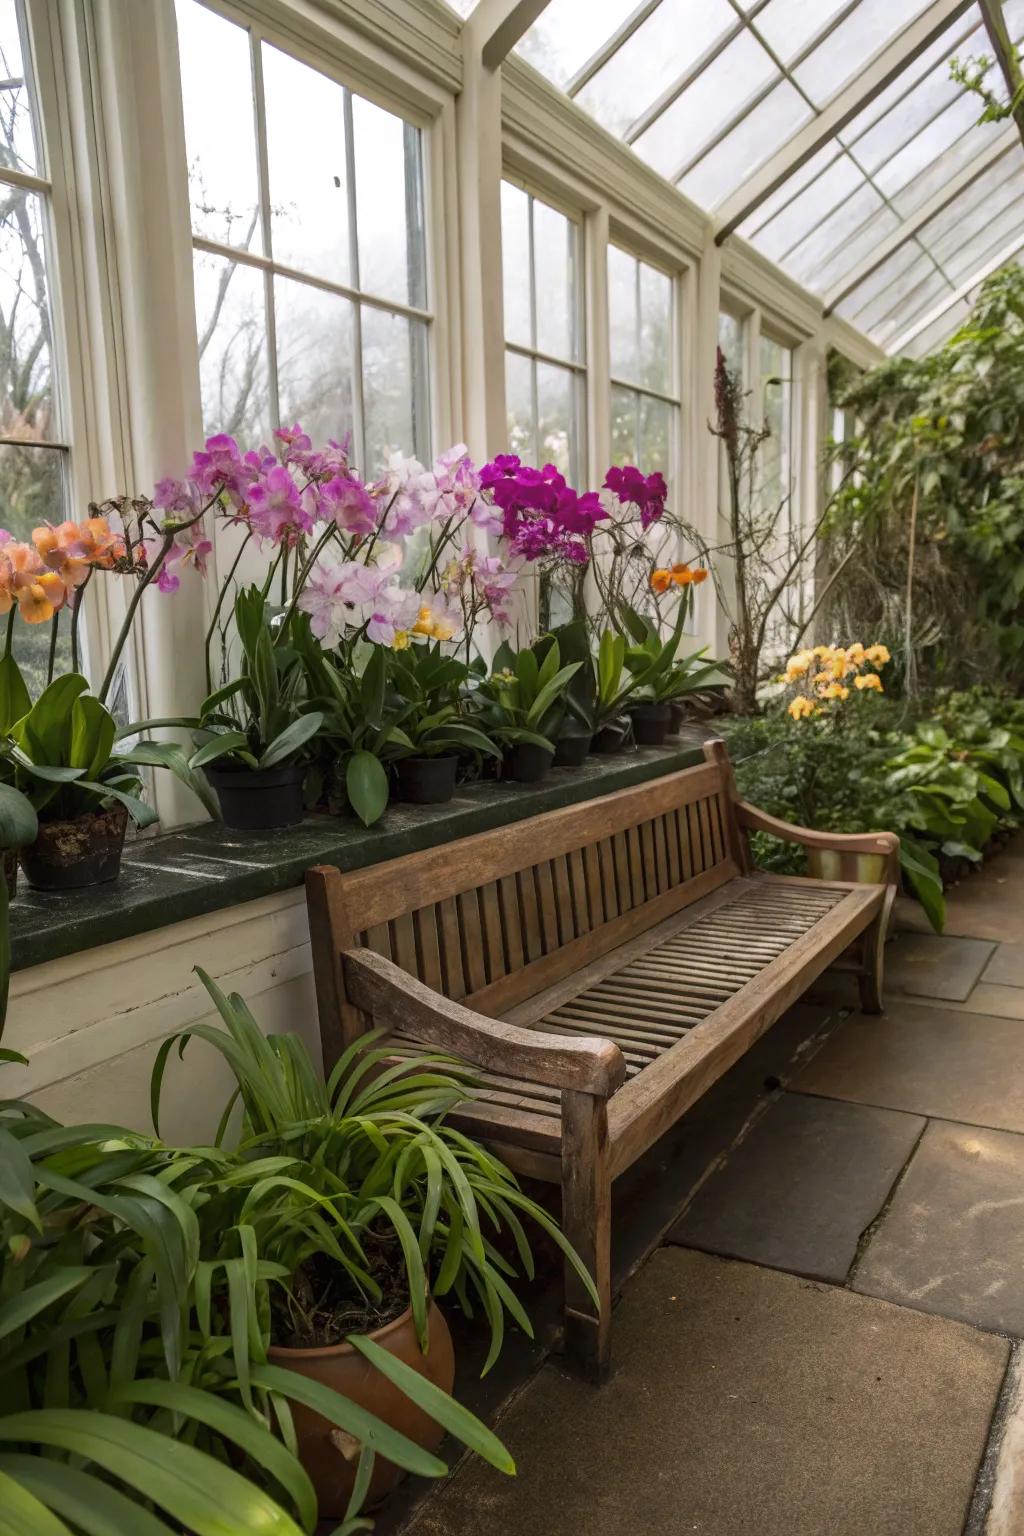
(205,868)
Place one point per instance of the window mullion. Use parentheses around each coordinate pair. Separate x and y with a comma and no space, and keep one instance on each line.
(263,163)
(358,403)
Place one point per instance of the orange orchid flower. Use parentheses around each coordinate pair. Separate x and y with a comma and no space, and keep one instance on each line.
(661,580)
(39,600)
(60,550)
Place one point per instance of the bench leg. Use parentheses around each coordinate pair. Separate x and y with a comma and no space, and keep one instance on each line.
(586,1221)
(870,978)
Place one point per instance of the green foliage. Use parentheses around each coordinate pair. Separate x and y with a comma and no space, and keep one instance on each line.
(662,674)
(363,1170)
(934,501)
(947,779)
(429,707)
(524,697)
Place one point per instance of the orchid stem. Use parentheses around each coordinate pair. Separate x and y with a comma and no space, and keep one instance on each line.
(9,641)
(54,625)
(220,603)
(328,533)
(76,612)
(152,571)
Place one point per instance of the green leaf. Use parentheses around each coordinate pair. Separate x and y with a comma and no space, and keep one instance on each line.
(218,747)
(22,1514)
(17,1180)
(45,732)
(347,1415)
(92,735)
(371,686)
(292,739)
(207,1497)
(366,784)
(14,695)
(89,1503)
(142,814)
(19,824)
(922,870)
(444,1410)
(27,1304)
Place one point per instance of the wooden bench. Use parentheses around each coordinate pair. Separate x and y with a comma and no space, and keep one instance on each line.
(601,966)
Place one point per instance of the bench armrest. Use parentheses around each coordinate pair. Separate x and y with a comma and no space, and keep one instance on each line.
(886,843)
(397,1000)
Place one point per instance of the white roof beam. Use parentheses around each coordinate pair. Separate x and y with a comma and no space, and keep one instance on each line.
(499,24)
(842,109)
(940,200)
(999,260)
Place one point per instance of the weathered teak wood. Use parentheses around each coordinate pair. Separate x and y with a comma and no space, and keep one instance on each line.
(599,967)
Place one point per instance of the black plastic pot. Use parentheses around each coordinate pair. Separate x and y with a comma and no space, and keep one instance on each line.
(677,711)
(253,800)
(527,762)
(571,749)
(611,738)
(650,724)
(9,859)
(70,854)
(426,780)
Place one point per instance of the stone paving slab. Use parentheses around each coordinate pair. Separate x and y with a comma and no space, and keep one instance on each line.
(929,965)
(952,1241)
(928,1061)
(1006,967)
(800,1189)
(743,1401)
(994,999)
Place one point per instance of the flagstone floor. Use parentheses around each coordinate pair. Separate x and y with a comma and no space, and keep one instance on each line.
(822,1274)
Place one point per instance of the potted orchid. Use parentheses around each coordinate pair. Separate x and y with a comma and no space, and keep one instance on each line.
(521,706)
(432,731)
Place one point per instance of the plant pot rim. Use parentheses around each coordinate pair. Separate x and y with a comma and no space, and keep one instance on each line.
(117,811)
(238,778)
(428,757)
(331,1351)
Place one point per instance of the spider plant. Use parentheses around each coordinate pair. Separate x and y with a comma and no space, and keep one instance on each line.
(364,1170)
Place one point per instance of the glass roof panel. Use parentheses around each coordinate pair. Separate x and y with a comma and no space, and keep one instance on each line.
(650,60)
(940,330)
(693,119)
(788,26)
(568,32)
(850,44)
(746,146)
(710,91)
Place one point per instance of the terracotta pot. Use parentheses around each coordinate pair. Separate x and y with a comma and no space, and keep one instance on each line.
(69,854)
(650,724)
(255,800)
(329,1456)
(426,780)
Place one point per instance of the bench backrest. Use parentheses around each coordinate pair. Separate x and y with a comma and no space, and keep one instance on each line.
(493,918)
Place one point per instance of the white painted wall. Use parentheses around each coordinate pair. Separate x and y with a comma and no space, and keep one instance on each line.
(91,1023)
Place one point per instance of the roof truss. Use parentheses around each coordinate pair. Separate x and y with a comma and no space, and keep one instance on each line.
(844,107)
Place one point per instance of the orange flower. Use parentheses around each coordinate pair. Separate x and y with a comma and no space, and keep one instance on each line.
(661,580)
(105,545)
(698,576)
(59,550)
(39,600)
(684,576)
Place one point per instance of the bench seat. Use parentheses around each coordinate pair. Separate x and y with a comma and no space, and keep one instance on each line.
(599,967)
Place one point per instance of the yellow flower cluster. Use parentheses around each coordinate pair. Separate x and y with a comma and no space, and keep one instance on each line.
(819,674)
(434,625)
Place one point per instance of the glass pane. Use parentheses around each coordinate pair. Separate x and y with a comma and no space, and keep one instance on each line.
(27,407)
(925,147)
(622,313)
(706,105)
(395,404)
(1002,233)
(837,244)
(778,203)
(656,370)
(315,358)
(940,330)
(909,116)
(650,61)
(33,491)
(831,190)
(556,419)
(515,264)
(730,339)
(961,153)
(306,164)
(788,26)
(220,127)
(554,263)
(389,205)
(231,325)
(872,286)
(757,135)
(655,448)
(569,32)
(625,426)
(963,36)
(855,40)
(16,136)
(519,407)
(777,397)
(900,276)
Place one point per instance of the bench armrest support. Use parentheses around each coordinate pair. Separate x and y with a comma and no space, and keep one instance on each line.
(885,843)
(397,1000)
